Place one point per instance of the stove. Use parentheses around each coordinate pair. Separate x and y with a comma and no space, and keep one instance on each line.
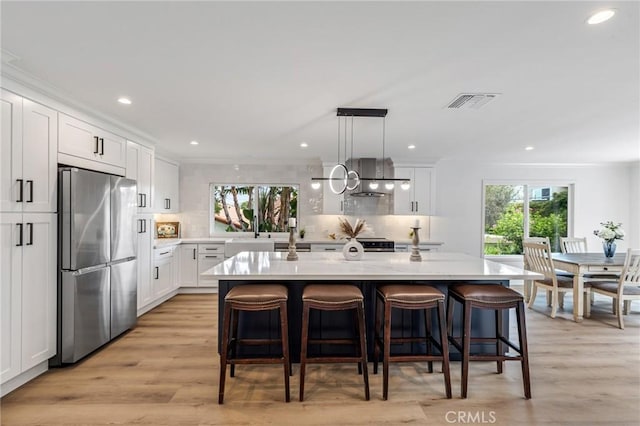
(376,244)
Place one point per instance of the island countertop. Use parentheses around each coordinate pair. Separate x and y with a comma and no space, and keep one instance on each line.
(372,267)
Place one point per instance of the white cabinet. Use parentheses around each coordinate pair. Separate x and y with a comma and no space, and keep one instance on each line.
(165,186)
(417,199)
(188,265)
(145,249)
(29,292)
(85,145)
(331,203)
(28,160)
(163,274)
(140,168)
(209,255)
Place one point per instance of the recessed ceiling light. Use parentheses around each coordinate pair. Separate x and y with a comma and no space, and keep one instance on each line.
(304,145)
(528,148)
(411,147)
(601,16)
(315,185)
(124,101)
(194,142)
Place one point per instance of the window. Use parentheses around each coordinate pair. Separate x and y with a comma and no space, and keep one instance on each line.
(513,212)
(247,207)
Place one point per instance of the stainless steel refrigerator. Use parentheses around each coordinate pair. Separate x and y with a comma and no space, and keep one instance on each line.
(97,284)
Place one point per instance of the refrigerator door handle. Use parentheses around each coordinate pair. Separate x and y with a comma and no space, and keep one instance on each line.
(20,191)
(30,227)
(19,225)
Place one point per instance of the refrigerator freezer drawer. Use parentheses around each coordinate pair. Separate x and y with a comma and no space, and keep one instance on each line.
(124,297)
(85,313)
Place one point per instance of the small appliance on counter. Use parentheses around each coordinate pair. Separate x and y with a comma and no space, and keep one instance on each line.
(97,280)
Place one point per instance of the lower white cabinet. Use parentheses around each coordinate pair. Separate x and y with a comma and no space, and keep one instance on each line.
(196,259)
(163,277)
(28,294)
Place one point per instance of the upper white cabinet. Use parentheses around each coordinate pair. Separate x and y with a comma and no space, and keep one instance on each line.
(28,288)
(165,186)
(80,142)
(140,168)
(417,199)
(331,203)
(28,160)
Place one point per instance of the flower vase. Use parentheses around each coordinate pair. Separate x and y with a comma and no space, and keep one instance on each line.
(609,248)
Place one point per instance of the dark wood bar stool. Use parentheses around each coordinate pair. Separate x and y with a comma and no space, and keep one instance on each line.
(253,298)
(411,297)
(334,298)
(496,298)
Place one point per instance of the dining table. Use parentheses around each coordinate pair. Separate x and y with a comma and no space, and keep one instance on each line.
(581,264)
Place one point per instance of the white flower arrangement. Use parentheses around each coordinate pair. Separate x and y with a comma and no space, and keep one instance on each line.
(610,231)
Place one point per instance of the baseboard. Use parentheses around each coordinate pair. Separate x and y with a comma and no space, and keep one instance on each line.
(23,378)
(198,290)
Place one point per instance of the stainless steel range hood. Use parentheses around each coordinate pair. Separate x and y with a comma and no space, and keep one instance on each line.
(371,170)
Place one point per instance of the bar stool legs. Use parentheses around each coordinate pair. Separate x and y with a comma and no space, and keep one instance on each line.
(497,298)
(253,298)
(414,297)
(334,298)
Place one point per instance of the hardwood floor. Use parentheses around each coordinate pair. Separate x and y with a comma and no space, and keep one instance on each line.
(165,372)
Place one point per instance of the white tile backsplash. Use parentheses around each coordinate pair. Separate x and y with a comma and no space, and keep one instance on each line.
(194,200)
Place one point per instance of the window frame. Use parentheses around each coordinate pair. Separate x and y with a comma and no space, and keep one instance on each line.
(526,184)
(245,234)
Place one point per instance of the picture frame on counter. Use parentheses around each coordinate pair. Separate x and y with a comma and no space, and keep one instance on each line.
(168,229)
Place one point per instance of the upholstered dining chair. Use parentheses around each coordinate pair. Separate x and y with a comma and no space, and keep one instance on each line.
(538,259)
(625,289)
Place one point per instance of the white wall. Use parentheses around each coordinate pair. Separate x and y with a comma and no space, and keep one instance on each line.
(601,193)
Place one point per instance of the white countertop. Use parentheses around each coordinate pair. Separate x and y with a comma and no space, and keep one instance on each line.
(373,266)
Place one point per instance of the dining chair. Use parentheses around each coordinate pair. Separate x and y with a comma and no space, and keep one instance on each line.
(538,258)
(625,289)
(528,283)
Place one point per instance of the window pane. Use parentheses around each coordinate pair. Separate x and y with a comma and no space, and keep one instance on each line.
(548,213)
(276,204)
(232,208)
(504,219)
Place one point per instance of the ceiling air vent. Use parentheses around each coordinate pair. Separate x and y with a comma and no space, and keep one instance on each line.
(471,100)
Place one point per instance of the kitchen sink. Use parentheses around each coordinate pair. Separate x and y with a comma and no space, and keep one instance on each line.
(236,245)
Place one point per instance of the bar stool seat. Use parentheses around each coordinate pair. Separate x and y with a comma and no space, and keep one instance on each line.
(413,297)
(334,297)
(497,298)
(253,298)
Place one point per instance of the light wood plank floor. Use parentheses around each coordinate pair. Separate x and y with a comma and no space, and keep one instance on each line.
(165,372)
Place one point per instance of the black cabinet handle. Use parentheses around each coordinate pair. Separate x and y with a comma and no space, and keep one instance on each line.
(139,226)
(144,198)
(97,150)
(30,227)
(20,191)
(101,146)
(19,225)
(157,273)
(417,209)
(167,203)
(139,199)
(212,257)
(165,252)
(30,183)
(144,226)
(194,254)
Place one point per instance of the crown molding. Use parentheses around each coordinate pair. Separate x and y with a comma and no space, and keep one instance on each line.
(30,86)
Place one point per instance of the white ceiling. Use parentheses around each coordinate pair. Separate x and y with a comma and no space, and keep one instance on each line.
(254,80)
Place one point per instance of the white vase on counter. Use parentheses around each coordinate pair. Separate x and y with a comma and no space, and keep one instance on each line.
(353,250)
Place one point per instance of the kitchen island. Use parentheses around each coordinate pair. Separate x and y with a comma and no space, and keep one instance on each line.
(438,269)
